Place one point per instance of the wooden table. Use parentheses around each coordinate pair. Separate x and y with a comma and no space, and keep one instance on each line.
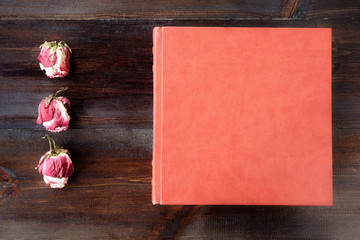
(110,135)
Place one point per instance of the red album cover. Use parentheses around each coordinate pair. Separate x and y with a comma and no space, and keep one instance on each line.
(242,116)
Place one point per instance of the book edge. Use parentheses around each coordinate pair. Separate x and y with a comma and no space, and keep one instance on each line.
(157,72)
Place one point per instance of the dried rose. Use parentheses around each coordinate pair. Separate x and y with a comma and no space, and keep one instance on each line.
(55,165)
(54,113)
(54,58)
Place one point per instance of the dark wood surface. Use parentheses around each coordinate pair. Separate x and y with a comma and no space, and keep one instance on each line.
(156,9)
(110,135)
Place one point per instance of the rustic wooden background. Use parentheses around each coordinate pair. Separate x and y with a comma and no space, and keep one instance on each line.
(110,135)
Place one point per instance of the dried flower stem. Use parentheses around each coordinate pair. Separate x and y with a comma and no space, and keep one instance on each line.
(52,96)
(54,149)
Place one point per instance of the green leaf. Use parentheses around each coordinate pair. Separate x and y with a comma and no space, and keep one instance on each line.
(48,100)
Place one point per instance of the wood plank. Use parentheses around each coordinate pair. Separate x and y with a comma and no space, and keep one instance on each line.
(158,9)
(177,10)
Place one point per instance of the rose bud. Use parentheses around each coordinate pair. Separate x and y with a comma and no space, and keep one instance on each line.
(54,58)
(54,113)
(55,165)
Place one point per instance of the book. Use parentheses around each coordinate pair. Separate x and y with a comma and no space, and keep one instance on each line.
(242,116)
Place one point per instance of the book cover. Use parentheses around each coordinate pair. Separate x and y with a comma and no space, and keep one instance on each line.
(242,116)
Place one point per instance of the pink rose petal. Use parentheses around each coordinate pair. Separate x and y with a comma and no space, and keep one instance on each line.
(56,169)
(55,116)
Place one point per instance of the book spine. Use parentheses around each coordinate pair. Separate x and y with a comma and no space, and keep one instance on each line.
(157,69)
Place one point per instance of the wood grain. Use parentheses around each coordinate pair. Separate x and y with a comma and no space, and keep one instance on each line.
(156,9)
(110,140)
(333,9)
(177,10)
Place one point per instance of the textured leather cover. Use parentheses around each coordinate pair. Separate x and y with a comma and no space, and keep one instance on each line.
(242,116)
